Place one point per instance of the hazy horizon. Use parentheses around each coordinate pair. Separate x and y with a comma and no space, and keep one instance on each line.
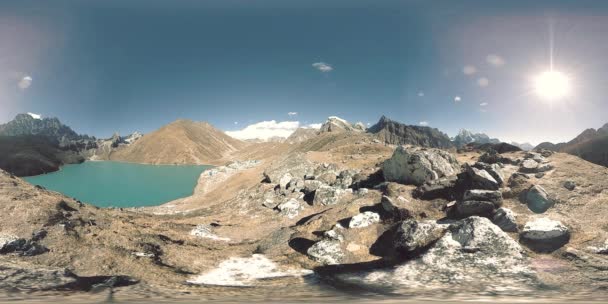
(124,66)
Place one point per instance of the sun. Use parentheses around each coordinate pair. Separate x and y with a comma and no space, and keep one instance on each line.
(552,85)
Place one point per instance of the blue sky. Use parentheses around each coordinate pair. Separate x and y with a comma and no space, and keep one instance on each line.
(107,66)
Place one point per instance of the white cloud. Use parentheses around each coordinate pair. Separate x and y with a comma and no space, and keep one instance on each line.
(457,99)
(25,82)
(420,94)
(323,67)
(292,113)
(483,82)
(483,104)
(34,115)
(313,126)
(424,123)
(236,122)
(469,70)
(495,60)
(265,130)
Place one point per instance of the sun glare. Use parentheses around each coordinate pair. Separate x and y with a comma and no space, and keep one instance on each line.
(552,85)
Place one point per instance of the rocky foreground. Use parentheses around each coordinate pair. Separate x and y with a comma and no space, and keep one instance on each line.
(346,209)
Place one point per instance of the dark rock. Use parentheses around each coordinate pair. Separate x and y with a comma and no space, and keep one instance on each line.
(570,185)
(538,200)
(463,209)
(480,178)
(493,196)
(445,188)
(505,219)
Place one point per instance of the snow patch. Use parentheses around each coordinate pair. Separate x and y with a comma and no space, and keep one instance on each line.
(244,272)
(34,115)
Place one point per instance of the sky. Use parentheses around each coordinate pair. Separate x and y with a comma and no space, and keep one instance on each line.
(122,66)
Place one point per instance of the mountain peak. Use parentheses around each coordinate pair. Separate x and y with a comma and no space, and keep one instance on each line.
(393,132)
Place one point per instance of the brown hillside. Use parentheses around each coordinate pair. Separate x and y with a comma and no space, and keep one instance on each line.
(181,142)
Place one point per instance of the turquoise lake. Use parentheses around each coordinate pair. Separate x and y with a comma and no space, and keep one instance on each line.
(116,184)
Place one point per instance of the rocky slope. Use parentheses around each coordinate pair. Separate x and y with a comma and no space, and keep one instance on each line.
(515,223)
(181,142)
(590,145)
(395,133)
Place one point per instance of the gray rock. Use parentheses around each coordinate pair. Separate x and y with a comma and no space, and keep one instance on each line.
(364,219)
(312,185)
(570,185)
(495,170)
(327,178)
(505,219)
(284,180)
(412,236)
(291,208)
(529,166)
(388,204)
(328,195)
(538,200)
(492,196)
(417,166)
(326,252)
(481,179)
(544,235)
(295,184)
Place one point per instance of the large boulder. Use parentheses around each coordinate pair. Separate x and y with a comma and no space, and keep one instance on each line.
(538,200)
(416,166)
(473,255)
(544,235)
(290,208)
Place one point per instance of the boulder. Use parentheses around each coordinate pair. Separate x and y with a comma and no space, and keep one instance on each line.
(471,251)
(417,166)
(412,236)
(495,170)
(445,187)
(493,196)
(290,208)
(312,185)
(328,178)
(538,200)
(544,235)
(505,219)
(328,195)
(480,179)
(528,166)
(326,252)
(364,219)
(463,209)
(519,183)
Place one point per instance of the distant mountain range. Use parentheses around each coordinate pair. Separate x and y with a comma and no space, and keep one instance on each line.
(591,145)
(396,133)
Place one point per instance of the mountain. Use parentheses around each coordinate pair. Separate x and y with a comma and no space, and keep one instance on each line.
(301,135)
(591,145)
(180,142)
(524,146)
(395,133)
(337,124)
(26,124)
(27,155)
(465,137)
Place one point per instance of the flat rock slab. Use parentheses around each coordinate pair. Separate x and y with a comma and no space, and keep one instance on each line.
(544,235)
